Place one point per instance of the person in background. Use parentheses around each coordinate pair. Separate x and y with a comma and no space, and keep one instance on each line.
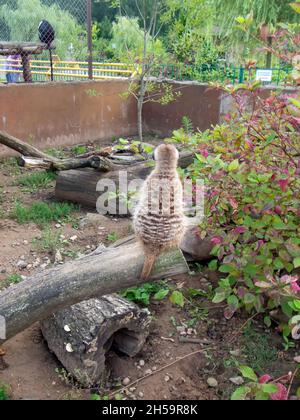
(13,64)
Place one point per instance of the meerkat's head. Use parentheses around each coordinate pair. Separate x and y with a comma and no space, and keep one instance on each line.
(166,154)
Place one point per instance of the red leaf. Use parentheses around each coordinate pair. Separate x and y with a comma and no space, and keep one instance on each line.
(216,240)
(281,394)
(264,379)
(239,230)
(283,183)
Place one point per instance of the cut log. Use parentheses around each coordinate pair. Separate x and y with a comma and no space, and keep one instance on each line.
(79,186)
(38,297)
(81,336)
(26,150)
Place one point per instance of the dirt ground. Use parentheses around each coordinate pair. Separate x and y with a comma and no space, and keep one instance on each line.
(32,372)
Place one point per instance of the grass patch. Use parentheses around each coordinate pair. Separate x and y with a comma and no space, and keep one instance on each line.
(13,279)
(11,165)
(259,350)
(36,180)
(43,213)
(4,392)
(79,150)
(49,241)
(112,237)
(57,153)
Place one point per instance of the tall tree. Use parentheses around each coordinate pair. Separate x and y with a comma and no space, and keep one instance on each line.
(190,25)
(265,13)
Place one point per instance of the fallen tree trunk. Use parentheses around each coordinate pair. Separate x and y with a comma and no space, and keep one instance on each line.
(93,276)
(49,162)
(79,186)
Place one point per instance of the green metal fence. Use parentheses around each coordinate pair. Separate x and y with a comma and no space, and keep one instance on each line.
(226,74)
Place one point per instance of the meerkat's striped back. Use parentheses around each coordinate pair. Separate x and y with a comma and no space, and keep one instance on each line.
(159,219)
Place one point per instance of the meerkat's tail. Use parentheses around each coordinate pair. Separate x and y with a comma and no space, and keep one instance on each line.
(148,265)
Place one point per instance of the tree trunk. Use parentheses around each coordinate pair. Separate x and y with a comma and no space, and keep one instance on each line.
(81,336)
(140,118)
(269,53)
(80,186)
(93,276)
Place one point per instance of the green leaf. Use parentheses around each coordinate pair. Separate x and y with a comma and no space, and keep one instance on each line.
(267,321)
(296,6)
(241,393)
(219,297)
(240,19)
(177,298)
(249,298)
(213,265)
(226,268)
(248,373)
(233,301)
(294,101)
(270,388)
(161,294)
(296,262)
(234,166)
(261,396)
(123,141)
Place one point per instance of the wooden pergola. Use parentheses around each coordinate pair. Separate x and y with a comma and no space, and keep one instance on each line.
(25,50)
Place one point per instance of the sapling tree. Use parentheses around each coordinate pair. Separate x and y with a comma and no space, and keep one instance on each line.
(136,40)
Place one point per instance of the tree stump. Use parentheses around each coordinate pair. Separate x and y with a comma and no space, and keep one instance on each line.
(81,335)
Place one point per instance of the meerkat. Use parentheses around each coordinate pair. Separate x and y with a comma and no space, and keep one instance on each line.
(159,222)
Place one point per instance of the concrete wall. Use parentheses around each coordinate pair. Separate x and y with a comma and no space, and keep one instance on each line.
(57,114)
(60,114)
(197,101)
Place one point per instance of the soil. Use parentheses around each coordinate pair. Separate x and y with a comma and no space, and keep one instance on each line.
(32,372)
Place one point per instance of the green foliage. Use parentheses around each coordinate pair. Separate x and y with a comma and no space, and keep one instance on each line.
(50,240)
(250,167)
(187,125)
(177,298)
(79,150)
(258,350)
(128,42)
(23,22)
(112,237)
(144,293)
(13,279)
(190,30)
(42,213)
(36,180)
(4,392)
(262,388)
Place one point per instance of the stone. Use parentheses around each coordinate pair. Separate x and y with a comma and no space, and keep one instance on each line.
(126,381)
(212,383)
(21,264)
(237,380)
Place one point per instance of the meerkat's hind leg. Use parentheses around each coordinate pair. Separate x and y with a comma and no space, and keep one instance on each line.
(148,265)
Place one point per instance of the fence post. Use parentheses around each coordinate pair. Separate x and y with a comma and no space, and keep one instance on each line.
(90,40)
(241,75)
